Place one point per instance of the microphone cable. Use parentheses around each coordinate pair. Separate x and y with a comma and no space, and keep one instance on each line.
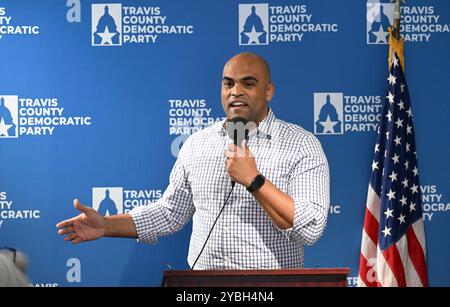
(209,234)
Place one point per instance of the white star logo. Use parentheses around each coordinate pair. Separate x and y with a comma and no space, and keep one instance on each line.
(405,183)
(402,87)
(391,98)
(253,36)
(395,61)
(328,125)
(406,165)
(395,158)
(393,176)
(388,213)
(386,231)
(381,35)
(403,200)
(401,105)
(401,218)
(414,189)
(397,140)
(391,194)
(374,165)
(389,115)
(391,79)
(415,171)
(399,123)
(4,128)
(377,147)
(412,207)
(106,37)
(408,129)
(408,147)
(409,112)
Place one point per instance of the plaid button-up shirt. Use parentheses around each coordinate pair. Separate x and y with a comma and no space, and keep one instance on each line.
(244,236)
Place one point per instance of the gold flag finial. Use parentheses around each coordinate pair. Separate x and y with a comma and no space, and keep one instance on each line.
(395,45)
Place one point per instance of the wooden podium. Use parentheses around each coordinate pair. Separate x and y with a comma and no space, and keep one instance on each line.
(257,278)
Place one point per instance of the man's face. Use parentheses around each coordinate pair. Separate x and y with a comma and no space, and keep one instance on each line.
(246,88)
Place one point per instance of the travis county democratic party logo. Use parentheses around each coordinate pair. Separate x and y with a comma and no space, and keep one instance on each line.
(9,26)
(107,201)
(107,24)
(115,25)
(261,24)
(115,200)
(9,117)
(8,212)
(253,24)
(336,113)
(380,16)
(417,23)
(434,202)
(328,116)
(33,116)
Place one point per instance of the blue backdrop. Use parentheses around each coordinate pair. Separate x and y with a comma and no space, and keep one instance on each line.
(100,95)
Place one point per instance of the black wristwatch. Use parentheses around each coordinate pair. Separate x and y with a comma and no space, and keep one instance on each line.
(256,184)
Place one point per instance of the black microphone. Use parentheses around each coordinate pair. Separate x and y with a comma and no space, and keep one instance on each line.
(237,130)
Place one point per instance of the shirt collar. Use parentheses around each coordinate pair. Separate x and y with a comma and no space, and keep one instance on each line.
(264,129)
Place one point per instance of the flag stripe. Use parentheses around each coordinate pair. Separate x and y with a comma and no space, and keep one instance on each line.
(371,227)
(385,275)
(417,256)
(368,247)
(420,234)
(367,262)
(394,261)
(412,278)
(373,203)
(365,271)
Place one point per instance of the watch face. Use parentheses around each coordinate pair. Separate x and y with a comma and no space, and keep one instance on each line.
(257,183)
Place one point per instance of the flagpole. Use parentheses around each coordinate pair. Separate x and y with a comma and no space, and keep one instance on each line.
(395,38)
(397,20)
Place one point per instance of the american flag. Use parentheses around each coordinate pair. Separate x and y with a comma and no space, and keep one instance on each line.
(393,239)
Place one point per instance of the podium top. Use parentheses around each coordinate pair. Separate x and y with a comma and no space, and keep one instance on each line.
(308,271)
(336,277)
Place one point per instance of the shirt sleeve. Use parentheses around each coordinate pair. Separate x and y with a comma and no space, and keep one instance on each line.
(309,187)
(172,211)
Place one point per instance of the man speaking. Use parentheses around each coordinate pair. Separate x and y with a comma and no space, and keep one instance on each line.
(254,203)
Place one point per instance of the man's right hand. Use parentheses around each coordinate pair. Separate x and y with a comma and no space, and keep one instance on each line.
(87,226)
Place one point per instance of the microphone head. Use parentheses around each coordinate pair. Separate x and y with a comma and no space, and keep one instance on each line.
(237,130)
